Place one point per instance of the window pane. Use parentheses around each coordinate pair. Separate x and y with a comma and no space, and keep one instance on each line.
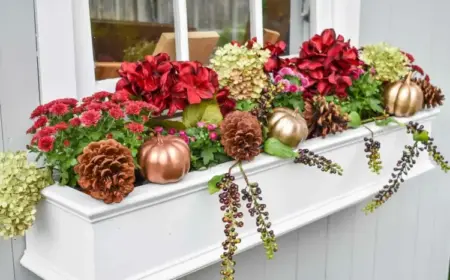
(216,23)
(127,30)
(286,20)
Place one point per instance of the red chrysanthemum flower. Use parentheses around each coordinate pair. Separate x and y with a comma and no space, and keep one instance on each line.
(61,126)
(31,130)
(101,95)
(40,122)
(59,109)
(78,110)
(120,96)
(45,143)
(90,118)
(116,113)
(133,108)
(40,110)
(226,104)
(72,102)
(66,143)
(45,131)
(75,122)
(135,127)
(94,106)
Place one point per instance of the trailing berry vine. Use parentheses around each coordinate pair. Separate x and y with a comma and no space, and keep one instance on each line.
(232,218)
(309,158)
(422,142)
(252,194)
(372,149)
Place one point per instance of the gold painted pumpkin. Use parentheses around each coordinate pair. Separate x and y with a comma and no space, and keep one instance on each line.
(164,159)
(288,126)
(403,98)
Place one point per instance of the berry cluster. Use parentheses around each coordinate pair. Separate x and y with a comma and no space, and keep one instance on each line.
(415,128)
(230,203)
(252,194)
(373,154)
(309,158)
(264,104)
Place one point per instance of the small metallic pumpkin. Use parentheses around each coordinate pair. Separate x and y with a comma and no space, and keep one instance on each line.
(403,98)
(164,159)
(288,126)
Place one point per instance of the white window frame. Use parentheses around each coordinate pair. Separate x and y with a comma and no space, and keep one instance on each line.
(64,43)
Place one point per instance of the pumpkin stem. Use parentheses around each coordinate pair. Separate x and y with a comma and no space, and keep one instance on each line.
(159,139)
(408,78)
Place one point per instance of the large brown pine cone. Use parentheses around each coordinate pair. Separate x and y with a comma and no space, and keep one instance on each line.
(432,95)
(106,170)
(324,117)
(241,135)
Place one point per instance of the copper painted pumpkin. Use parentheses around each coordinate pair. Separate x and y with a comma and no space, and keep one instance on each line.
(288,126)
(403,98)
(164,159)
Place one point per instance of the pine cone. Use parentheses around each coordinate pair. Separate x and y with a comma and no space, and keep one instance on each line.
(324,117)
(432,95)
(106,170)
(241,135)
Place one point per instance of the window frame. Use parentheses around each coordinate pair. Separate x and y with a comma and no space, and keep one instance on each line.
(64,43)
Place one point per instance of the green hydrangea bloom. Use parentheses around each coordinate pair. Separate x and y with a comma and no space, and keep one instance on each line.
(21,183)
(241,70)
(389,62)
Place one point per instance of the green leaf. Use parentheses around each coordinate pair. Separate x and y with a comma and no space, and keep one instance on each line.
(355,120)
(166,124)
(421,137)
(297,104)
(207,155)
(274,147)
(245,105)
(384,122)
(212,114)
(212,184)
(95,135)
(375,105)
(206,111)
(117,135)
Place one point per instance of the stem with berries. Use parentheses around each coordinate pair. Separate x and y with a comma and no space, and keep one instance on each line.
(252,194)
(230,204)
(373,153)
(309,158)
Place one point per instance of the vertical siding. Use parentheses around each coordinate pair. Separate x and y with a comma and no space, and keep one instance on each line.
(19,95)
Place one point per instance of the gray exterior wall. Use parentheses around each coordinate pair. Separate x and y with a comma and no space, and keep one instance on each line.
(406,239)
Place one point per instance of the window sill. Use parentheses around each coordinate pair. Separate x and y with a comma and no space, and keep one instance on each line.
(166,232)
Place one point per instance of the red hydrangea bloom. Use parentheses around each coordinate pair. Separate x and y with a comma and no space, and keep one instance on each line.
(75,122)
(135,127)
(116,113)
(274,63)
(90,118)
(61,126)
(40,122)
(328,62)
(45,143)
(226,104)
(58,109)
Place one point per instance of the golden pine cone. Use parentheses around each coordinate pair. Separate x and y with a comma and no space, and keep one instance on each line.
(432,95)
(324,117)
(241,135)
(106,170)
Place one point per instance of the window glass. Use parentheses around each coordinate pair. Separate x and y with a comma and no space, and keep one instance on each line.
(127,30)
(216,23)
(286,20)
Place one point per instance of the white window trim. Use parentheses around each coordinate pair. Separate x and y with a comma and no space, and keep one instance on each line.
(66,64)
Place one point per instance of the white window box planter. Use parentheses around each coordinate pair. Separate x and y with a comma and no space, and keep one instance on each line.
(166,232)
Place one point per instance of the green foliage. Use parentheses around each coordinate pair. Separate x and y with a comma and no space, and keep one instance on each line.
(290,100)
(245,105)
(206,150)
(139,51)
(389,62)
(355,120)
(212,184)
(20,190)
(274,147)
(226,35)
(206,111)
(364,98)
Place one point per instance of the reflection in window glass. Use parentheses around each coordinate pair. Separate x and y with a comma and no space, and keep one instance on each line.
(127,30)
(286,20)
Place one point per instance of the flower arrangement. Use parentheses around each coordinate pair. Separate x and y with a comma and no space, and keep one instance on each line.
(250,101)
